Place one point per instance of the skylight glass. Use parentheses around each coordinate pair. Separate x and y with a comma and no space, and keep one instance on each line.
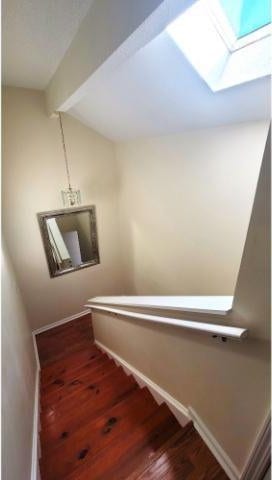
(247,16)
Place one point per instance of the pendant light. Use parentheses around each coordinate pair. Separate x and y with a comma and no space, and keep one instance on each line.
(70,196)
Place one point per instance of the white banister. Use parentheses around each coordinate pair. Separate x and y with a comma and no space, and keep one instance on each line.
(223,331)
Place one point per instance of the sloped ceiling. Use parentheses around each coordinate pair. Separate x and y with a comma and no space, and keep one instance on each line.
(35,36)
(157,92)
(154,92)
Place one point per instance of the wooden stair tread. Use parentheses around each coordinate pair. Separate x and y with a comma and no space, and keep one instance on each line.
(65,339)
(181,457)
(62,335)
(142,470)
(67,375)
(97,424)
(113,461)
(95,392)
(78,382)
(51,434)
(118,421)
(65,327)
(60,353)
(70,363)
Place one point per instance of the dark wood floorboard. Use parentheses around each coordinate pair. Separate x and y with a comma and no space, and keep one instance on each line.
(97,424)
(59,342)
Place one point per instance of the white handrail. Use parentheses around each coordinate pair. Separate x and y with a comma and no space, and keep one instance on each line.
(223,331)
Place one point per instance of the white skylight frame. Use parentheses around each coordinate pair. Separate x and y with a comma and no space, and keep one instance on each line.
(224,28)
(230,61)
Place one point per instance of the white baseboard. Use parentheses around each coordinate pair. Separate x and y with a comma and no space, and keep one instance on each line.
(35,471)
(60,322)
(36,351)
(260,456)
(216,449)
(160,395)
(182,414)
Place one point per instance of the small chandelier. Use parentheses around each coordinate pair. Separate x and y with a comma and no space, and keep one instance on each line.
(70,196)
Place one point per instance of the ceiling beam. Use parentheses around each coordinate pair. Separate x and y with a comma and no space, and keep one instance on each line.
(111,32)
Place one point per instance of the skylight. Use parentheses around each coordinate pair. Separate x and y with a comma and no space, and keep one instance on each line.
(226,41)
(247,16)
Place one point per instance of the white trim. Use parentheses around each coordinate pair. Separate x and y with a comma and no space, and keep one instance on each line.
(221,68)
(211,304)
(253,37)
(35,434)
(223,331)
(221,23)
(259,457)
(220,455)
(160,395)
(36,351)
(35,471)
(60,322)
(226,31)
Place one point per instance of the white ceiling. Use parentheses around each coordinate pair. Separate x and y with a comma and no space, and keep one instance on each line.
(35,36)
(155,92)
(158,92)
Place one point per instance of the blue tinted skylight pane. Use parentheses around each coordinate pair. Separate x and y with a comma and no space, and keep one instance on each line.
(246,16)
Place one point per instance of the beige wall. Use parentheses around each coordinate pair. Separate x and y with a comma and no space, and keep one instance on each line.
(184,209)
(33,175)
(227,384)
(185,204)
(183,212)
(18,377)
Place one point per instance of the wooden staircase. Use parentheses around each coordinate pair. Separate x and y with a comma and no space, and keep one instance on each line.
(97,423)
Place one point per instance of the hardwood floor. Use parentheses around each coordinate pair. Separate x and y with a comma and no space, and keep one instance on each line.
(97,424)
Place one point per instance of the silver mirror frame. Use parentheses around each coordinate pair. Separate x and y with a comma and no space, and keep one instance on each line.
(43,216)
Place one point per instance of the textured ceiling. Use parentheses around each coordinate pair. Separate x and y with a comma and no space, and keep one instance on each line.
(157,92)
(35,36)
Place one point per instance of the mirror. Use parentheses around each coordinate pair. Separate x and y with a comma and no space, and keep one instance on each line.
(70,239)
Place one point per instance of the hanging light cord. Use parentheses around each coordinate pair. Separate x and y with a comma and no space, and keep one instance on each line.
(65,152)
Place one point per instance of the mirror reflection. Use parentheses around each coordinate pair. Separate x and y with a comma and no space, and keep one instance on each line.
(70,239)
